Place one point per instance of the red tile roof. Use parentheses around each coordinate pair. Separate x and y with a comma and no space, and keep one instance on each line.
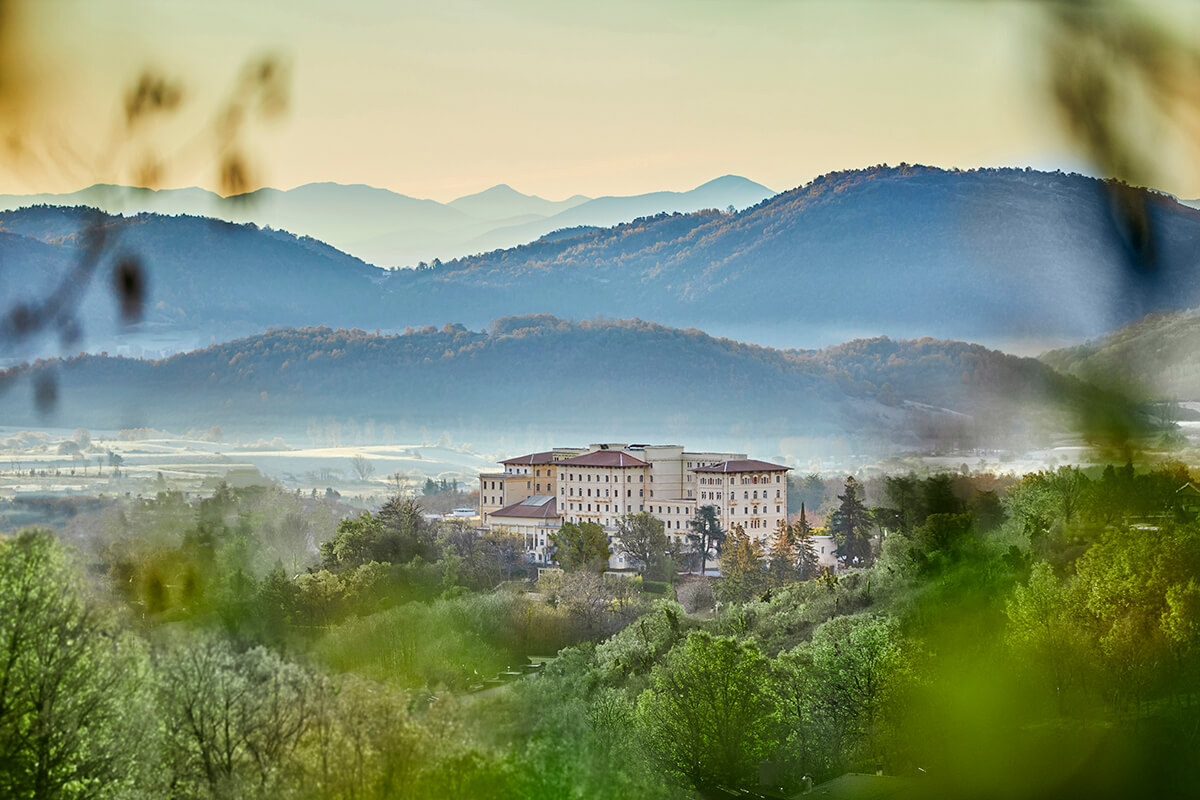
(533,458)
(743,465)
(604,458)
(538,506)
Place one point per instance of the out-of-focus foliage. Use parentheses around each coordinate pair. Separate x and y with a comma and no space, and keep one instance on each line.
(998,621)
(73,705)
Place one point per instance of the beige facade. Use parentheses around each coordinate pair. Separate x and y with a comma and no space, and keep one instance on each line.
(749,493)
(533,518)
(603,482)
(523,476)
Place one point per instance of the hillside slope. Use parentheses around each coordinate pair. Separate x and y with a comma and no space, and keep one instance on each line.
(1010,258)
(1156,358)
(596,379)
(989,255)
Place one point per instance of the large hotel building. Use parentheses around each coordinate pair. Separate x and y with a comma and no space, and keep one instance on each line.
(536,493)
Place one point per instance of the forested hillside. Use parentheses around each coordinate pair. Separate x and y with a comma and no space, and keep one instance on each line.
(1157,358)
(204,278)
(984,255)
(998,256)
(601,377)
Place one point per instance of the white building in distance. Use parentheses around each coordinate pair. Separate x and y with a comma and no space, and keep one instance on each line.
(536,493)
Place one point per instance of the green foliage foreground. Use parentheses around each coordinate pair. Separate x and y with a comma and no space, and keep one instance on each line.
(1041,643)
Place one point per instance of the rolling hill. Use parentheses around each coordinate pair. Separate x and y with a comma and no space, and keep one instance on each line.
(578,380)
(1015,259)
(1156,358)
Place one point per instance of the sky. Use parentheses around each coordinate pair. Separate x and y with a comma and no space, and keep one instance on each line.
(553,98)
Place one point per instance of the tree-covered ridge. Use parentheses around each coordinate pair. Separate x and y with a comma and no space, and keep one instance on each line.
(901,250)
(1157,358)
(285,376)
(982,252)
(203,275)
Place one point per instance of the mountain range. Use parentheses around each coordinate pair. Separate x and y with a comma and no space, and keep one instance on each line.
(1010,258)
(390,229)
(575,380)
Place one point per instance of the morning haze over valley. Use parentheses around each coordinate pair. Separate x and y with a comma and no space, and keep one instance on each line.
(808,406)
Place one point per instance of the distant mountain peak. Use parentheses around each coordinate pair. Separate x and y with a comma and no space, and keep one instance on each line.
(727,182)
(497,192)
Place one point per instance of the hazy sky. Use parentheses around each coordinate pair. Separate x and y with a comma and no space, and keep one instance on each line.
(444,98)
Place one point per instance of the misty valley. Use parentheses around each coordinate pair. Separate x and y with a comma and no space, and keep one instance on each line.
(675,495)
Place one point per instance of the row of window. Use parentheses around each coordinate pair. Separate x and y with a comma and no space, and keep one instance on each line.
(747,480)
(570,492)
(608,478)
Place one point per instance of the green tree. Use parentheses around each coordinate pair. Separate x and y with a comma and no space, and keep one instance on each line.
(72,710)
(406,533)
(781,556)
(708,714)
(1069,487)
(807,562)
(743,571)
(706,533)
(356,542)
(642,539)
(581,546)
(834,692)
(235,721)
(851,525)
(1043,630)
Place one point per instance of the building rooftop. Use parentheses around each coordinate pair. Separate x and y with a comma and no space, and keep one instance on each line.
(743,465)
(604,458)
(532,458)
(538,506)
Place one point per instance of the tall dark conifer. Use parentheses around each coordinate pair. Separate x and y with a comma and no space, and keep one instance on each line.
(851,525)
